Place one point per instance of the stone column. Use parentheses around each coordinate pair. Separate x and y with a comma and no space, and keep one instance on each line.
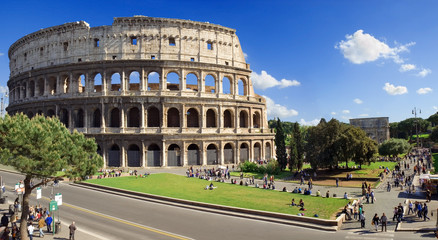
(144,152)
(86,122)
(163,154)
(142,118)
(46,89)
(122,119)
(201,82)
(123,82)
(102,117)
(123,157)
(219,83)
(104,83)
(221,153)
(163,81)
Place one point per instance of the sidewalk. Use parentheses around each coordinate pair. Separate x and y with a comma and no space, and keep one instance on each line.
(61,235)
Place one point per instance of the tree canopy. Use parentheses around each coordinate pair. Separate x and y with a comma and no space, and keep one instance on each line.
(42,149)
(394,147)
(280,143)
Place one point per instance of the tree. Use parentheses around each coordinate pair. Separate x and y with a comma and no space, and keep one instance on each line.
(394,147)
(281,145)
(296,148)
(42,148)
(433,119)
(434,135)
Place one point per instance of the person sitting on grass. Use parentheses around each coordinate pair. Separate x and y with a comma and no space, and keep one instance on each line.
(318,193)
(284,189)
(293,202)
(307,192)
(295,190)
(299,190)
(345,195)
(327,195)
(301,205)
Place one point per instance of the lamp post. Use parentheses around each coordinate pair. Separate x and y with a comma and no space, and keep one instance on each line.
(3,97)
(414,111)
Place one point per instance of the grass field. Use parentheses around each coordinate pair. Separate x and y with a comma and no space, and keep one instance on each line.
(181,187)
(435,161)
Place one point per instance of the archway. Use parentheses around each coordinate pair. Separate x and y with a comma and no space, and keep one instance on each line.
(192,118)
(212,158)
(257,155)
(97,119)
(226,86)
(116,82)
(210,84)
(173,155)
(228,119)
(173,118)
(134,156)
(79,118)
(243,119)
(134,81)
(153,81)
(244,155)
(228,154)
(154,156)
(98,83)
(256,120)
(63,117)
(173,83)
(193,155)
(192,82)
(153,117)
(114,156)
(133,117)
(211,118)
(268,151)
(114,118)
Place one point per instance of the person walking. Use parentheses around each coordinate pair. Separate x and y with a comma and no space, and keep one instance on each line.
(72,228)
(5,220)
(372,197)
(375,221)
(30,229)
(383,221)
(411,207)
(49,223)
(41,224)
(362,219)
(337,182)
(425,211)
(388,188)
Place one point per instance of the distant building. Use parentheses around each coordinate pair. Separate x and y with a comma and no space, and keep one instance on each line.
(376,128)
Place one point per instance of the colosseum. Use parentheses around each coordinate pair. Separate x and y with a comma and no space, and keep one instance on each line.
(153,92)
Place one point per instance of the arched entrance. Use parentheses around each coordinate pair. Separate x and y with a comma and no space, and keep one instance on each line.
(268,151)
(154,156)
(114,156)
(134,159)
(212,158)
(193,155)
(173,155)
(244,152)
(228,154)
(257,151)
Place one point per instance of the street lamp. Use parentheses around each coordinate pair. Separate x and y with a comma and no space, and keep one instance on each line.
(414,111)
(3,97)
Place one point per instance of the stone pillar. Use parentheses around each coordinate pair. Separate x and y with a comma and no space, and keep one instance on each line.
(183,81)
(163,154)
(104,155)
(86,122)
(123,82)
(144,152)
(58,89)
(201,82)
(46,89)
(143,81)
(123,157)
(72,88)
(163,81)
(220,118)
(221,153)
(104,83)
(203,118)
(219,84)
(122,119)
(142,118)
(102,117)
(236,119)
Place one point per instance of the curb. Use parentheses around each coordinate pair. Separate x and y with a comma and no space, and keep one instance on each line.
(302,221)
(399,229)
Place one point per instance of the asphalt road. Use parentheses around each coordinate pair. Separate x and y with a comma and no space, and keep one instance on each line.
(107,216)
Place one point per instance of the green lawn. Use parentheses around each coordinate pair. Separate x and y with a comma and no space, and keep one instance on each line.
(181,187)
(373,165)
(282,175)
(435,161)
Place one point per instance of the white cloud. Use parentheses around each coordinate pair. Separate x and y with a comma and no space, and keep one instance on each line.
(345,111)
(393,90)
(333,113)
(1,54)
(4,89)
(313,122)
(277,110)
(264,81)
(363,115)
(358,101)
(245,55)
(407,67)
(424,90)
(360,48)
(424,72)
(435,107)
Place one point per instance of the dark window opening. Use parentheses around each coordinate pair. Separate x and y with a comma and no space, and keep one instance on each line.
(152,57)
(211,118)
(79,59)
(153,117)
(96,42)
(192,59)
(226,63)
(41,51)
(192,118)
(65,46)
(209,45)
(25,57)
(134,117)
(228,123)
(133,40)
(97,118)
(173,118)
(115,118)
(172,42)
(114,57)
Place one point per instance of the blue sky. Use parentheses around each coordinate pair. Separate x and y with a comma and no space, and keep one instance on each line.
(310,59)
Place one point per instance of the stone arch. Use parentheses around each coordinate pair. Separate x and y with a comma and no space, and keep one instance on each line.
(268,151)
(134,81)
(97,83)
(241,87)
(244,152)
(173,81)
(81,83)
(134,156)
(193,155)
(210,84)
(114,120)
(192,118)
(114,156)
(226,86)
(243,119)
(78,118)
(63,117)
(192,82)
(173,155)
(116,82)
(99,150)
(153,81)
(228,154)
(154,156)
(30,114)
(211,118)
(256,120)
(52,85)
(97,119)
(133,117)
(228,119)
(212,154)
(173,117)
(32,89)
(154,119)
(41,87)
(65,80)
(257,151)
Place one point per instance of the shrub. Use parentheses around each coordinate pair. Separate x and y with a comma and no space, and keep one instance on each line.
(272,168)
(248,166)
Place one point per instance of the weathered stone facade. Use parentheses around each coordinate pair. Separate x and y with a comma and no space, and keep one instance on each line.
(151,91)
(376,128)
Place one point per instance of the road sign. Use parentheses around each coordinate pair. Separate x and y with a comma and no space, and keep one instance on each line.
(53,205)
(38,190)
(58,198)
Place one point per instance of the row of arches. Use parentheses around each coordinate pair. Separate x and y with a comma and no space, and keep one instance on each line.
(174,156)
(129,81)
(132,118)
